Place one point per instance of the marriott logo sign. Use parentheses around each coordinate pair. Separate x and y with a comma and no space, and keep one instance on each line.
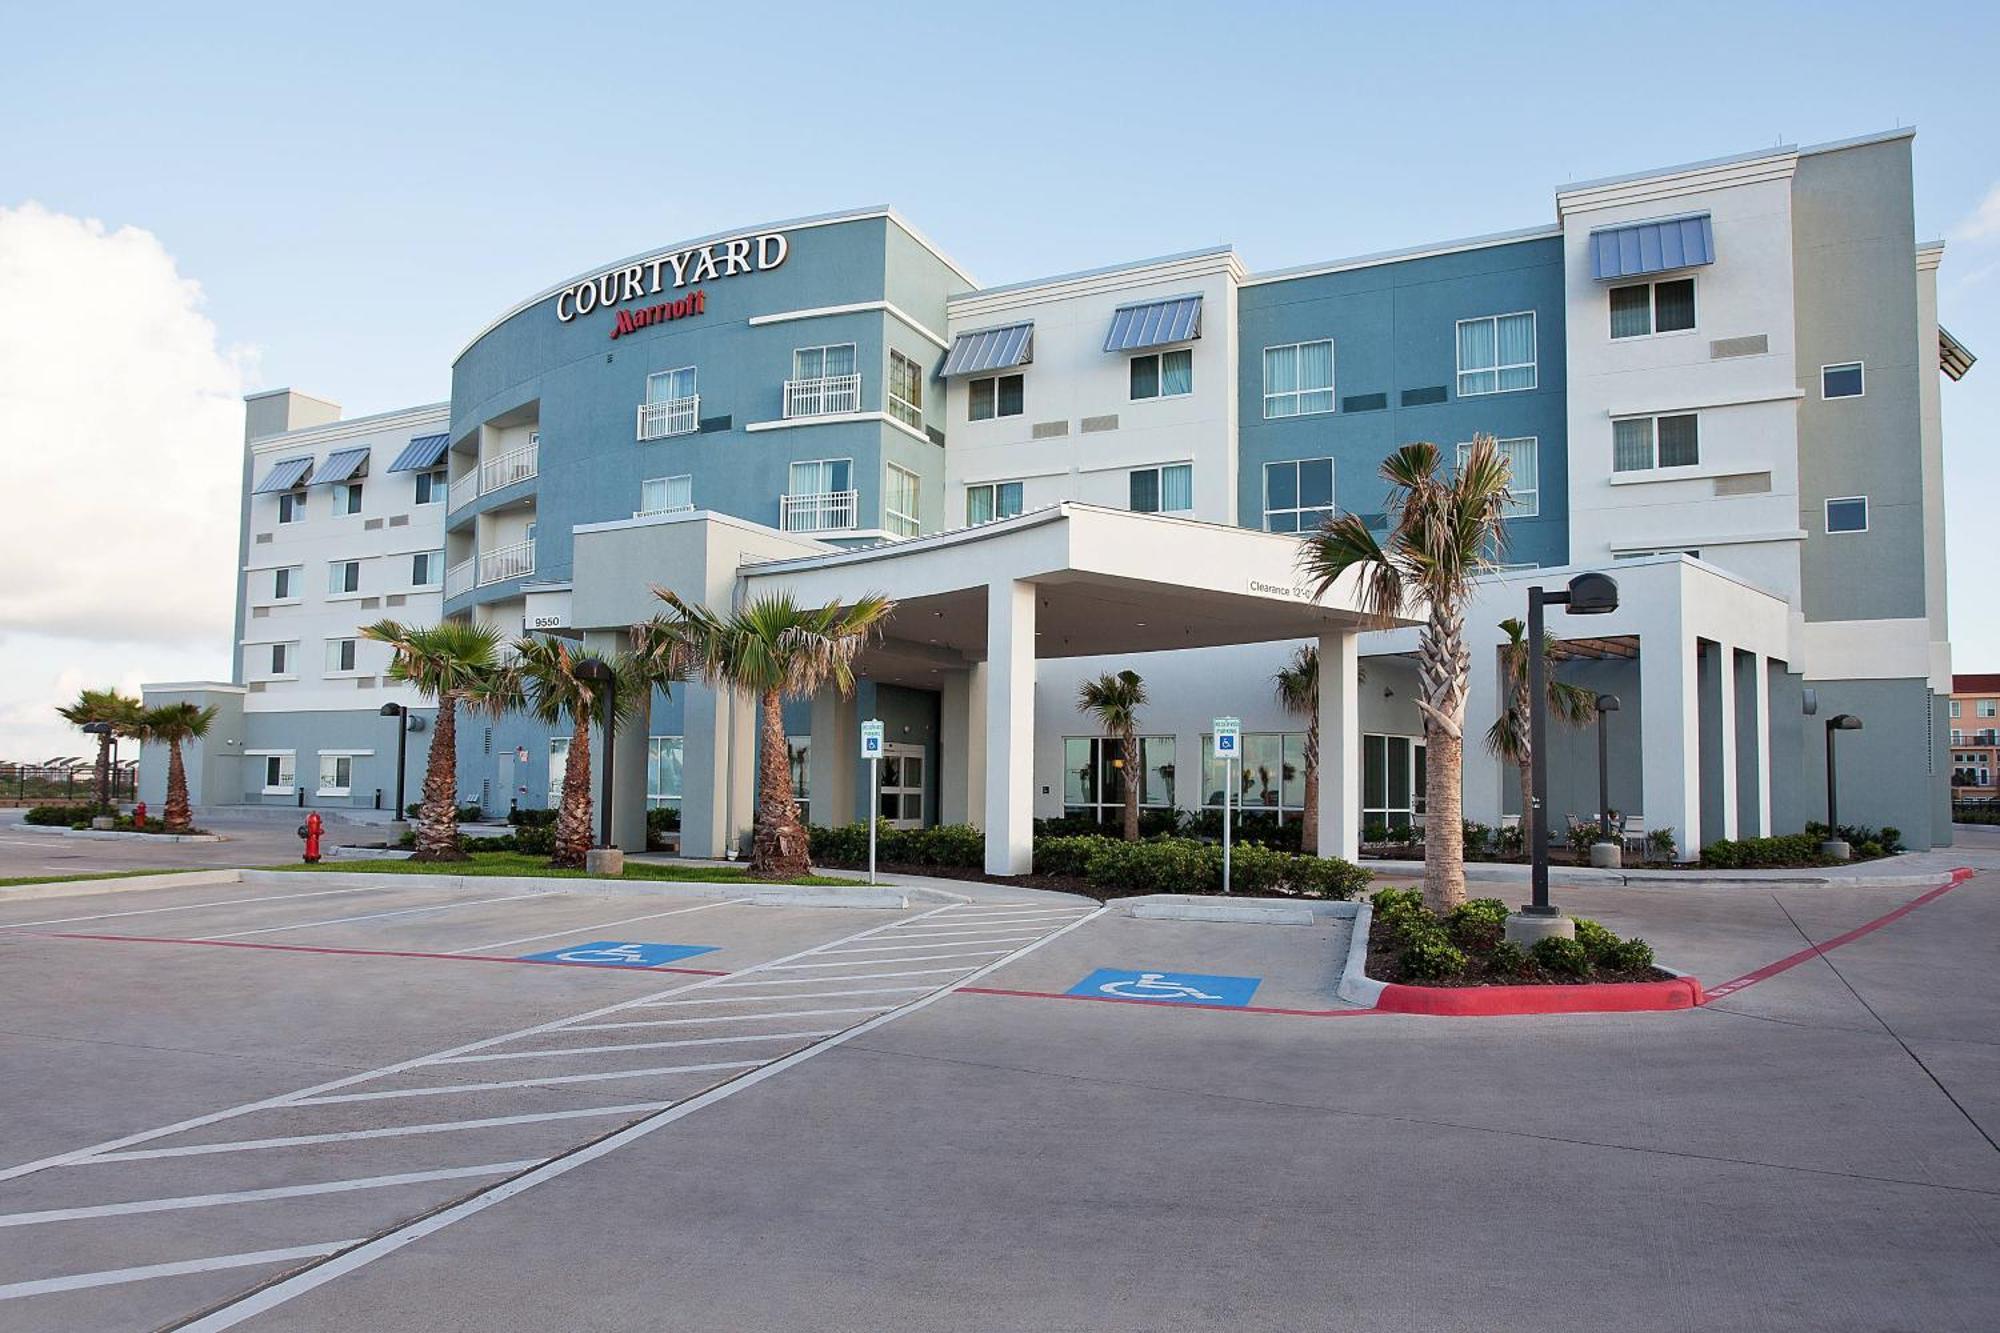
(673,271)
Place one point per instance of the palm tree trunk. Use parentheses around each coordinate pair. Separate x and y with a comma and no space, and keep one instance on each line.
(437,821)
(177,814)
(1135,774)
(778,845)
(1309,817)
(1527,776)
(1444,833)
(573,815)
(104,771)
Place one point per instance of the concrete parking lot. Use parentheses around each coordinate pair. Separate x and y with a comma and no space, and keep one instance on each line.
(318,1106)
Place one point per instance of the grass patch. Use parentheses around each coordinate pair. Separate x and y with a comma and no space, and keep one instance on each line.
(523,863)
(17,881)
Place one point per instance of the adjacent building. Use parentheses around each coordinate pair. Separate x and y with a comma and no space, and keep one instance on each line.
(1975,737)
(1719,382)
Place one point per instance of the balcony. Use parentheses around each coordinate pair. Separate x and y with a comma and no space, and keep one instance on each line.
(506,562)
(833,511)
(459,578)
(508,468)
(830,395)
(669,417)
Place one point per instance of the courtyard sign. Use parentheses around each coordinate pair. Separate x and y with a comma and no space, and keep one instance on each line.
(674,270)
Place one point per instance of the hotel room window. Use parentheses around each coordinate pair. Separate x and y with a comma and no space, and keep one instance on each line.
(1496,354)
(906,391)
(1298,379)
(999,396)
(1163,490)
(1163,374)
(1652,307)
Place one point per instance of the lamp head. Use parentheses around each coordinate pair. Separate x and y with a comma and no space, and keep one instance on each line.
(1607,703)
(97,728)
(393,710)
(1843,722)
(1592,594)
(594,669)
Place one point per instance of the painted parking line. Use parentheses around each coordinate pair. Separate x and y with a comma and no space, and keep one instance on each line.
(601,925)
(1155,1004)
(924,944)
(815,981)
(372,916)
(111,1277)
(348,952)
(876,962)
(706,1019)
(445,1090)
(195,907)
(787,997)
(731,1040)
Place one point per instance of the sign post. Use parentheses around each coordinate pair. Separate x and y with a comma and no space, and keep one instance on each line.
(871,750)
(1229,749)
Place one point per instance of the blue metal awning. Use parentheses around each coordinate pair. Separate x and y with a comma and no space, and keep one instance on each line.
(1651,247)
(344,466)
(1154,324)
(287,474)
(421,453)
(988,350)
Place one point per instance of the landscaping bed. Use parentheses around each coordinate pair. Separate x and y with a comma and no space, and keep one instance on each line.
(76,818)
(523,863)
(1791,851)
(1410,945)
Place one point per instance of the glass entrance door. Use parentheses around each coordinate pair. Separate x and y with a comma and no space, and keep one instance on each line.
(901,798)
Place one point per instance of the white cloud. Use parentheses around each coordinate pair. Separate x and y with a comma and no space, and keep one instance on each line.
(121,427)
(1984,223)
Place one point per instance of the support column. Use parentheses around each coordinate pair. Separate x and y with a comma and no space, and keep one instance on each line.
(1670,736)
(1725,699)
(719,770)
(1485,778)
(1010,729)
(1761,705)
(836,739)
(962,740)
(1749,698)
(1340,745)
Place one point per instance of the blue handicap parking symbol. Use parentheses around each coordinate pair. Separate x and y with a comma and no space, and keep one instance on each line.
(1167,987)
(620,953)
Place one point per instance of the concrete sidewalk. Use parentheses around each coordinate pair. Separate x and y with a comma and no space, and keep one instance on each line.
(1909,870)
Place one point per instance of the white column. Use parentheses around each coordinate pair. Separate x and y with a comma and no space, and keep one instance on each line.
(1484,777)
(975,746)
(836,745)
(1010,728)
(1725,675)
(1760,694)
(1670,734)
(1340,745)
(704,768)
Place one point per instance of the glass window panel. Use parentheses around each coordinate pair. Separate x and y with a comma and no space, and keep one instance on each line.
(839,360)
(1263,769)
(1374,772)
(1177,488)
(1011,395)
(1398,753)
(1281,485)
(913,807)
(1516,338)
(1316,483)
(1111,770)
(1213,775)
(1282,520)
(1315,400)
(1852,516)
(1079,771)
(1176,372)
(1315,366)
(1679,442)
(1478,381)
(1841,381)
(891,805)
(1009,499)
(1145,377)
(980,406)
(892,770)
(1523,464)
(1476,345)
(1632,445)
(1146,491)
(978,504)
(808,363)
(1673,305)
(1517,377)
(1631,311)
(1417,788)
(1293,794)
(799,751)
(1159,756)
(1281,369)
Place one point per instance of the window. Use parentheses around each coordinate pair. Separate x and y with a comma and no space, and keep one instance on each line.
(281,659)
(1298,379)
(1163,374)
(798,753)
(663,772)
(431,487)
(1496,354)
(291,506)
(899,502)
(1842,381)
(1642,443)
(1094,775)
(666,495)
(1001,396)
(1988,707)
(1652,307)
(1523,473)
(1954,708)
(1298,496)
(991,500)
(278,773)
(668,385)
(336,774)
(558,760)
(426,569)
(1270,777)
(1163,490)
(1847,515)
(906,391)
(671,406)
(340,654)
(826,476)
(285,584)
(1392,780)
(343,576)
(347,498)
(813,363)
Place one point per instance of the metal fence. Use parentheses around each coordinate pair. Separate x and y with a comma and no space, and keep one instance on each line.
(64,781)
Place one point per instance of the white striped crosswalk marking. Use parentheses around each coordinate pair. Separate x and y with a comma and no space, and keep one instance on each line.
(731,1040)
(256,1196)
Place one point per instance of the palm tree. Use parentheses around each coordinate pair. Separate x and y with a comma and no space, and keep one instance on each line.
(452,663)
(175,724)
(1508,738)
(121,711)
(1446,527)
(1114,701)
(544,677)
(1296,686)
(774,649)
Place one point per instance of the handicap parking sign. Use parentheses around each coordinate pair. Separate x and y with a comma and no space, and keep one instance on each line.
(620,953)
(1167,987)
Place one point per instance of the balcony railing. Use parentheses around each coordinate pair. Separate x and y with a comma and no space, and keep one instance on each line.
(462,491)
(459,578)
(829,512)
(506,562)
(830,395)
(508,468)
(663,509)
(669,416)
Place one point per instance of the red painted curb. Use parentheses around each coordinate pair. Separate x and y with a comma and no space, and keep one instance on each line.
(1624,997)
(379,953)
(1166,1004)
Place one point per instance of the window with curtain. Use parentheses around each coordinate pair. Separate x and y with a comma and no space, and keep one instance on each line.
(986,502)
(1640,443)
(1652,307)
(825,476)
(1496,354)
(668,385)
(906,391)
(1298,379)
(663,771)
(999,396)
(1298,496)
(666,495)
(336,774)
(1094,775)
(285,583)
(1163,374)
(426,569)
(899,502)
(340,654)
(431,487)
(343,576)
(1523,473)
(1163,490)
(812,363)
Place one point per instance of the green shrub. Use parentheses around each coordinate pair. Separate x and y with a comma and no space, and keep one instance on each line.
(1476,836)
(1634,955)
(1427,954)
(1660,844)
(661,821)
(1374,830)
(1561,958)
(1791,849)
(63,816)
(1478,924)
(534,839)
(1065,855)
(521,818)
(1597,941)
(1507,959)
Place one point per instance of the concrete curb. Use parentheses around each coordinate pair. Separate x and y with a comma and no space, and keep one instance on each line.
(1489,872)
(114,835)
(772,895)
(170,879)
(1243,911)
(1356,986)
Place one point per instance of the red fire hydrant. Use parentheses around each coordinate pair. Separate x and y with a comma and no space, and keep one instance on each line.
(310,831)
(139,815)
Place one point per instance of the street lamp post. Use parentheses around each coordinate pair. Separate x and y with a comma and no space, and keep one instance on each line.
(599,673)
(1608,852)
(401,713)
(1835,846)
(1586,595)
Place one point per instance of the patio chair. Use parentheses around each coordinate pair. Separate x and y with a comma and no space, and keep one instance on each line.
(1632,832)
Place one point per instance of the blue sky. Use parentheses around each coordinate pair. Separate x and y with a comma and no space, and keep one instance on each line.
(357,190)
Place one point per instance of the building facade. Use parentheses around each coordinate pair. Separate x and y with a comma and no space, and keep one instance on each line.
(1974,712)
(1718,382)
